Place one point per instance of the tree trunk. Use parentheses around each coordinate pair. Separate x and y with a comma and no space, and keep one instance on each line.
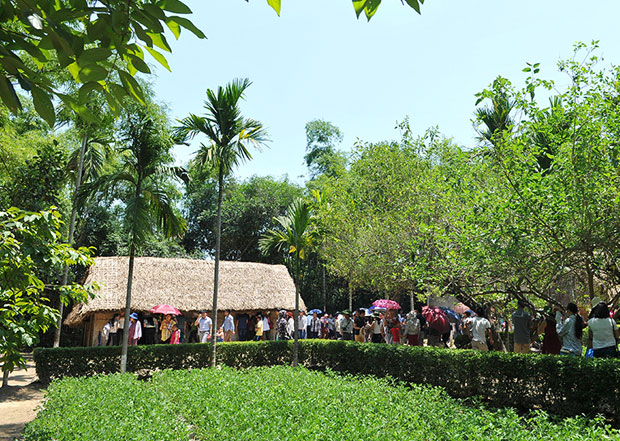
(132,252)
(5,378)
(350,297)
(218,234)
(65,273)
(412,300)
(296,315)
(324,291)
(590,275)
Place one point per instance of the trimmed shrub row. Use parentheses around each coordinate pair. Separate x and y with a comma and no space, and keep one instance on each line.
(558,384)
(279,402)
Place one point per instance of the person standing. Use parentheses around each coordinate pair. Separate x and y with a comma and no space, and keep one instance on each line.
(346,325)
(412,329)
(480,329)
(359,322)
(603,333)
(135,330)
(290,325)
(166,328)
(376,328)
(522,325)
(570,328)
(315,326)
(113,336)
(282,326)
(175,338)
(203,322)
(242,327)
(266,326)
(258,334)
(302,325)
(551,343)
(228,326)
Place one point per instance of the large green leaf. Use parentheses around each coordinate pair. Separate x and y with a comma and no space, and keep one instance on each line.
(159,57)
(187,24)
(8,95)
(131,86)
(175,6)
(43,105)
(415,4)
(275,4)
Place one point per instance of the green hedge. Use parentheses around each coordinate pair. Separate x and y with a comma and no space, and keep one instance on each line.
(559,384)
(279,402)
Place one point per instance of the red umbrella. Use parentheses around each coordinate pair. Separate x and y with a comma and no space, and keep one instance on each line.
(165,309)
(436,318)
(386,303)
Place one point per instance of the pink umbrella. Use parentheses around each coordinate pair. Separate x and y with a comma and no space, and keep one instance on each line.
(386,303)
(460,308)
(165,309)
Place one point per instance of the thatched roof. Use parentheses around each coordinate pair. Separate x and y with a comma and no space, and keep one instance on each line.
(186,284)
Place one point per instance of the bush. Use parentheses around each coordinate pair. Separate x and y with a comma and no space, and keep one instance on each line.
(105,408)
(558,384)
(280,403)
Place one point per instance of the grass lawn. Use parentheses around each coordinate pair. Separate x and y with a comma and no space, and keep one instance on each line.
(280,403)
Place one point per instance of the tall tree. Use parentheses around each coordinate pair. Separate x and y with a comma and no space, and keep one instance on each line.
(31,247)
(322,137)
(294,236)
(229,137)
(143,172)
(86,163)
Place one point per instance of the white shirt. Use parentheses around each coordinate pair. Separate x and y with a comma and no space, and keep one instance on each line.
(290,326)
(302,322)
(479,326)
(266,324)
(602,332)
(376,326)
(204,324)
(137,333)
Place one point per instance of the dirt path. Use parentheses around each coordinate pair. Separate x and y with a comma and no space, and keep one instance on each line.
(19,400)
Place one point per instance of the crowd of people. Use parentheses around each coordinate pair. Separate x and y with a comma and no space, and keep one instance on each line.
(561,329)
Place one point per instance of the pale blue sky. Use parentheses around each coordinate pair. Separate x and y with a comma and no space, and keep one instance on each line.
(318,61)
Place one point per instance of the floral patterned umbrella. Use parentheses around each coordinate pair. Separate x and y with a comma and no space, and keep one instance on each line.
(386,303)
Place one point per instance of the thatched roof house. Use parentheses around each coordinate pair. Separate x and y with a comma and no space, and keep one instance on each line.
(186,284)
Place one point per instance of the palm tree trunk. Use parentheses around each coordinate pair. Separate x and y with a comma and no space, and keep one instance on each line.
(218,237)
(65,273)
(132,253)
(296,324)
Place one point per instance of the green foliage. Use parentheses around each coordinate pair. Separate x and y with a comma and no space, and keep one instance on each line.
(561,385)
(39,183)
(30,247)
(142,178)
(322,158)
(369,7)
(102,45)
(248,209)
(318,405)
(115,407)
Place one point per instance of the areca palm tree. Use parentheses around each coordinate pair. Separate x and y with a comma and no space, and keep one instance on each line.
(229,137)
(295,235)
(143,174)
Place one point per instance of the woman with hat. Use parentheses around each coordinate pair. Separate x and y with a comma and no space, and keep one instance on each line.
(135,330)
